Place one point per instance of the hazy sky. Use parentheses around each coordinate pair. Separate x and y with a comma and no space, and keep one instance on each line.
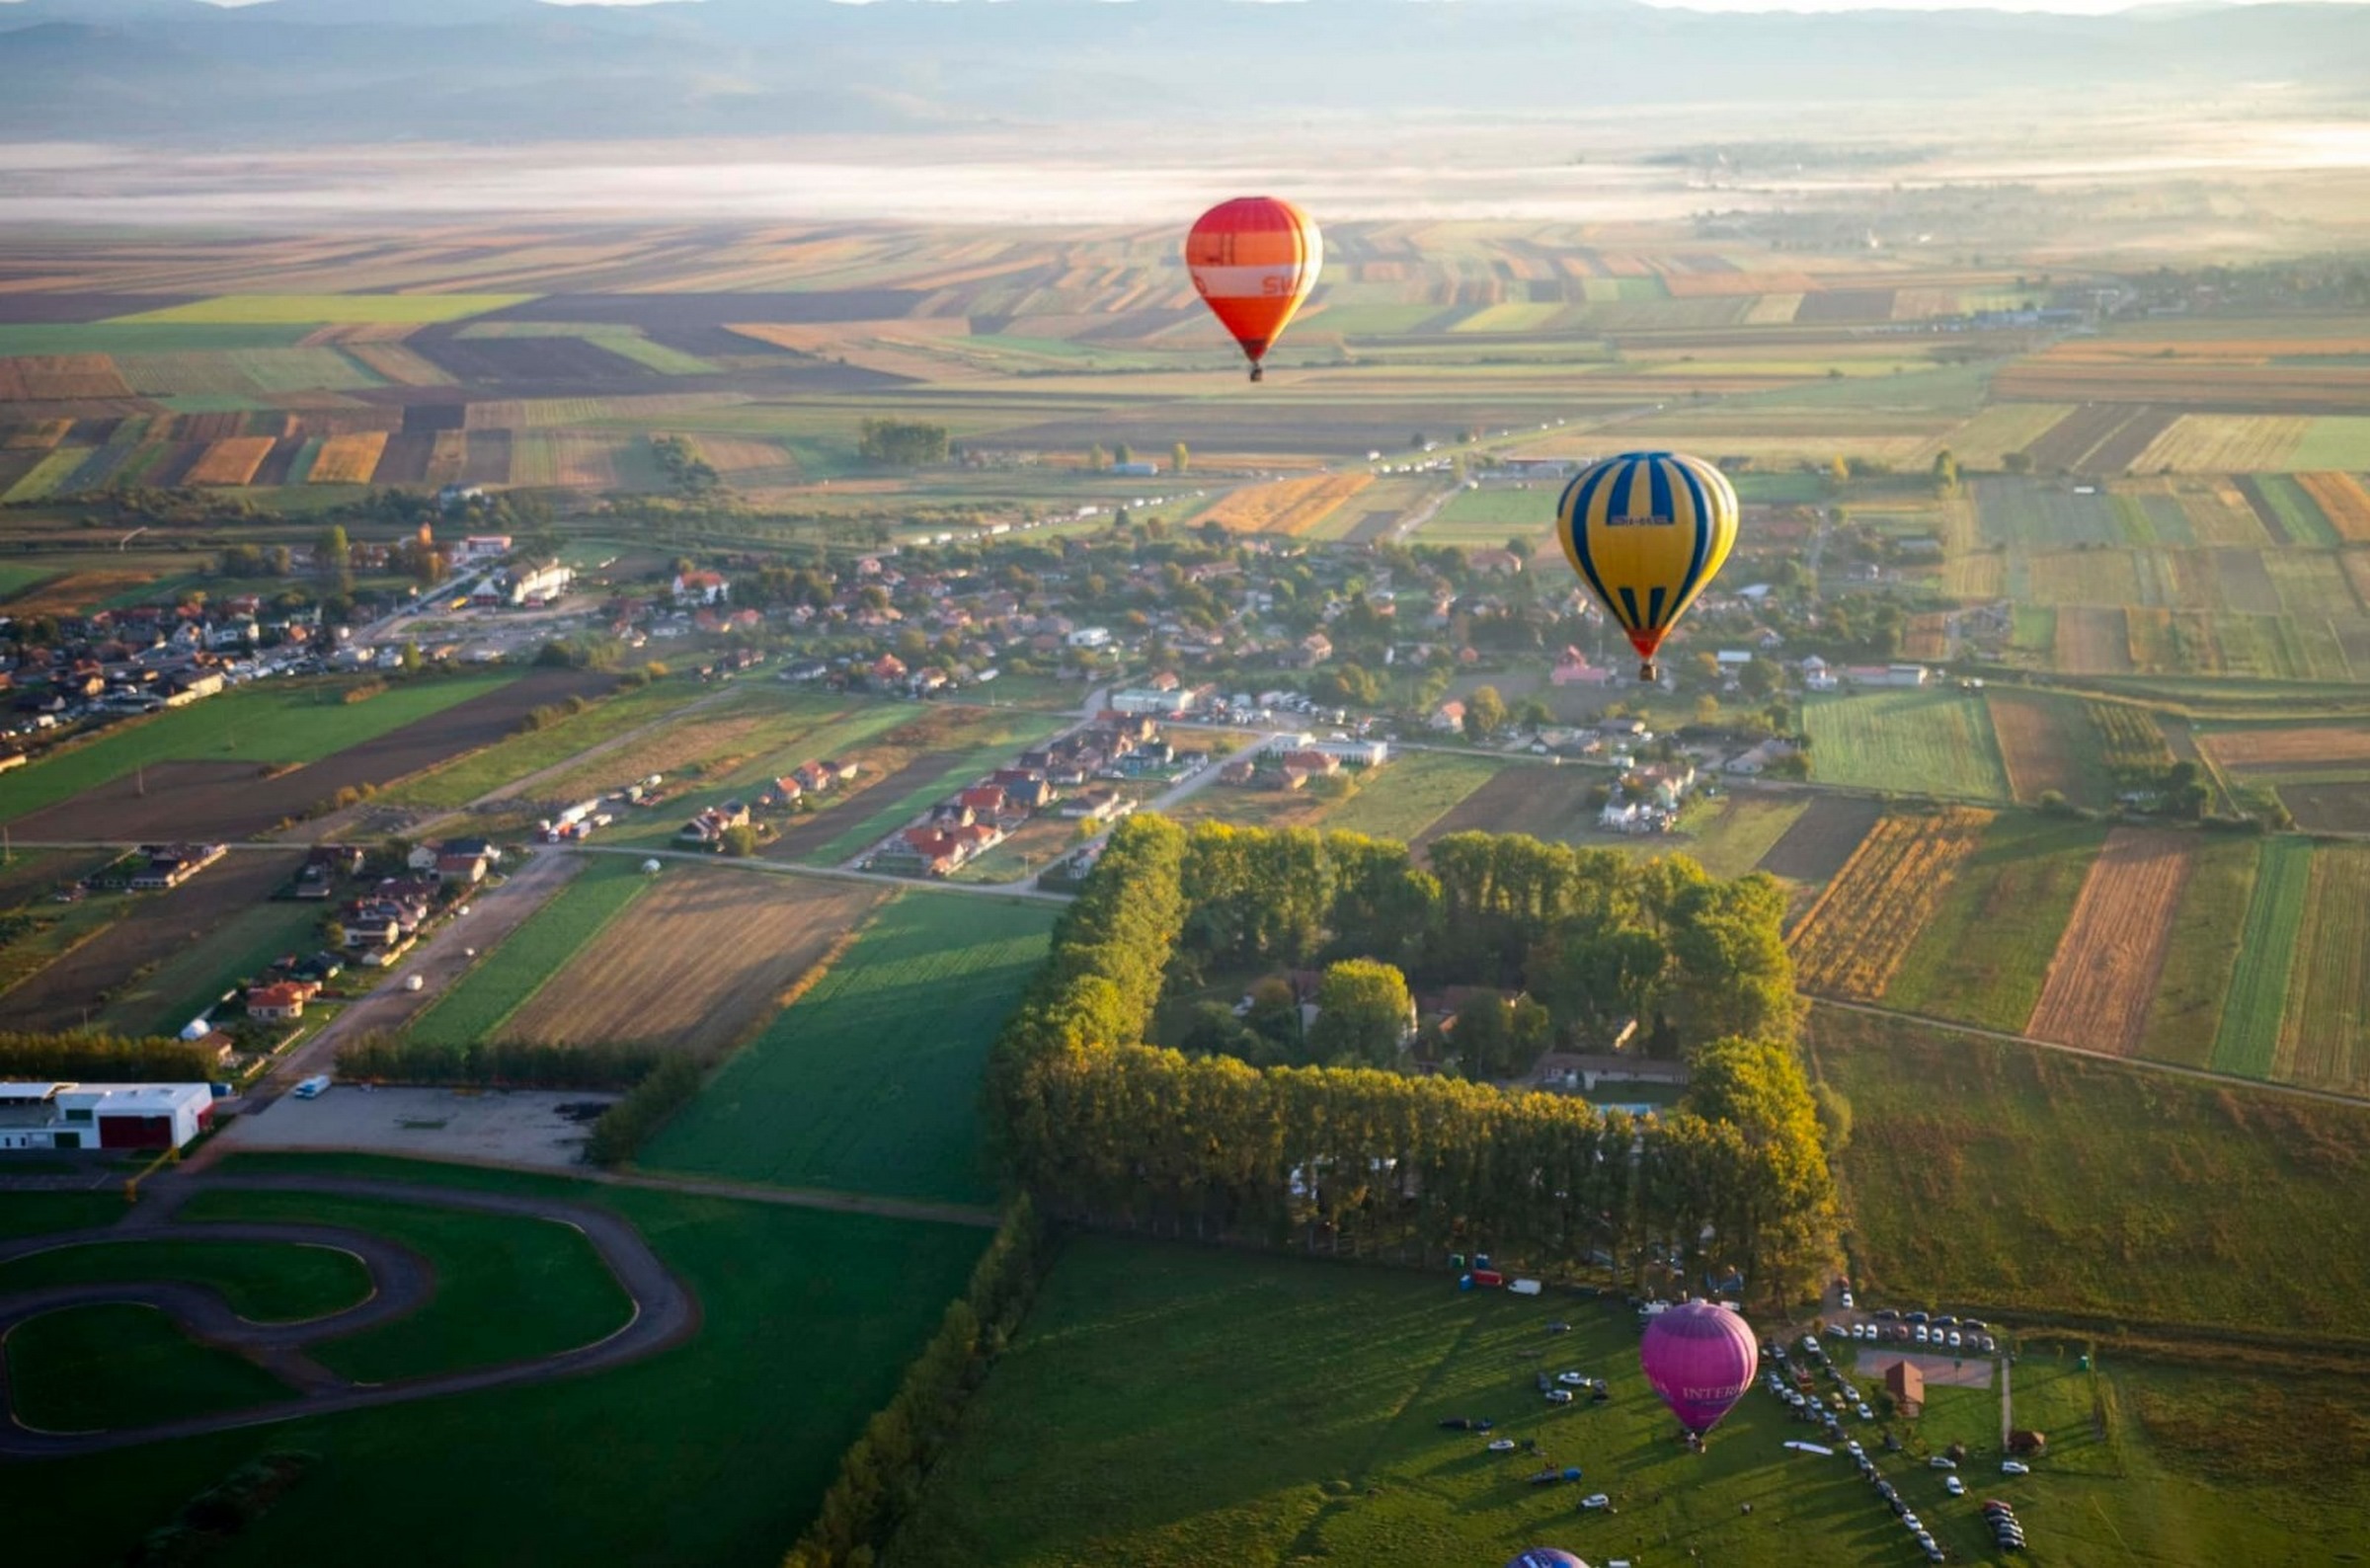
(2082,7)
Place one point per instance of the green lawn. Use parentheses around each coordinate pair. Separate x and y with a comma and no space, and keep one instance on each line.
(15,580)
(1983,955)
(1729,840)
(506,1288)
(1410,794)
(322,309)
(871,1081)
(1171,1407)
(263,1284)
(713,1454)
(36,1213)
(1487,518)
(476,1008)
(1990,1175)
(100,1368)
(267,724)
(2186,1018)
(2247,1041)
(1919,742)
(483,773)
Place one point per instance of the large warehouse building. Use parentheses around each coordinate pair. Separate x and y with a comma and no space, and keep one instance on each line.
(103,1114)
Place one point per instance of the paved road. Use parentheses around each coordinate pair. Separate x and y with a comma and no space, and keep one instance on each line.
(494,913)
(665,1313)
(783,868)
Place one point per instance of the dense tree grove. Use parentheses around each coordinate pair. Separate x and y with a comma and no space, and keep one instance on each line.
(383,1058)
(1103,1128)
(104,1059)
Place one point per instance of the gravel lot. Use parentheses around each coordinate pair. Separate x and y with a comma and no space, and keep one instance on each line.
(523,1126)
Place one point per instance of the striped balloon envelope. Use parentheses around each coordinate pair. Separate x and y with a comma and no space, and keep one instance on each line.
(1646,531)
(1254,259)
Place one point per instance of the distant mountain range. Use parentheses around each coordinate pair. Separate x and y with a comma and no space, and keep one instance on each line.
(330,71)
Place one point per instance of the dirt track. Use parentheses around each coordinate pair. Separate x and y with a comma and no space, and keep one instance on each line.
(665,1312)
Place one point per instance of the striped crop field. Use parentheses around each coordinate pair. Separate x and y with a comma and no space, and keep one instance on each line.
(2248,1041)
(2324,1036)
(230,462)
(1855,936)
(48,475)
(2103,978)
(398,363)
(2343,501)
(1271,507)
(347,460)
(41,436)
(2286,510)
(59,377)
(2225,444)
(321,309)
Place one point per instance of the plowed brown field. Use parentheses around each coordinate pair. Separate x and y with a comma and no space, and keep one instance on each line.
(2108,961)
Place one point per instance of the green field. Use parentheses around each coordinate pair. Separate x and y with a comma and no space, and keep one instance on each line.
(269,310)
(1410,794)
(485,771)
(506,1288)
(713,1454)
(871,1081)
(2187,1016)
(2246,1042)
(476,1008)
(1170,1407)
(276,724)
(1730,839)
(1918,743)
(89,1368)
(1489,517)
(15,580)
(1989,1175)
(261,1282)
(1984,955)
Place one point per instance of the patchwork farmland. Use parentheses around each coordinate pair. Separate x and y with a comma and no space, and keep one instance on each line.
(1860,930)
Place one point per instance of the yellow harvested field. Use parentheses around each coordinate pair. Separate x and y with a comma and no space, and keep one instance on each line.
(1285,505)
(2309,748)
(695,962)
(397,363)
(231,462)
(44,379)
(2224,444)
(2108,961)
(1985,440)
(2343,500)
(349,459)
(1853,938)
(38,436)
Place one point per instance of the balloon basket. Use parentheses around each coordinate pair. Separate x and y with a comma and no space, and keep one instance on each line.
(1259,373)
(1648,674)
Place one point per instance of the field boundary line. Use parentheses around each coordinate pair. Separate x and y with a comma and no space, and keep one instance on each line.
(698,857)
(2229,1081)
(489,954)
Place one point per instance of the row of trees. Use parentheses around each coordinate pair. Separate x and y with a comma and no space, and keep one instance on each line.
(380,1056)
(103,1058)
(1105,1130)
(880,1475)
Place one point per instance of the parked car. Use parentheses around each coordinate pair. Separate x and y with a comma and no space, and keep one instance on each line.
(2015,1467)
(1559,1397)
(1943,1461)
(1954,1486)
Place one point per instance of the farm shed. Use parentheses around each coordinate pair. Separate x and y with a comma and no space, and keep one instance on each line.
(1906,1385)
(103,1114)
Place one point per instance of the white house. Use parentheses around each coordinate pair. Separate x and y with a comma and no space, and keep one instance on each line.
(1358,753)
(1090,636)
(1144,699)
(103,1114)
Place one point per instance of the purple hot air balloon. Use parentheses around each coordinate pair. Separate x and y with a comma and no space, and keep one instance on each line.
(1547,1557)
(1699,1358)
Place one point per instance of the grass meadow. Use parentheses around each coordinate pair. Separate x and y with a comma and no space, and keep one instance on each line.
(871,1081)
(1983,955)
(1172,1407)
(715,1453)
(1988,1175)
(85,1368)
(1920,743)
(2246,1040)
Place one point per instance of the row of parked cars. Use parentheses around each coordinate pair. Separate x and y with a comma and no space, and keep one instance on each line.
(1919,1328)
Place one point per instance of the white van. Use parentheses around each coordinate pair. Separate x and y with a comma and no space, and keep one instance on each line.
(311,1088)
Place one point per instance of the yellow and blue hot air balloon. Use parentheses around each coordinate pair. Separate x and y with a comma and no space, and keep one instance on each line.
(1646,531)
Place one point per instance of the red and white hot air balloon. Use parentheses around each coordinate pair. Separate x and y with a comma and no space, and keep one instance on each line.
(1254,258)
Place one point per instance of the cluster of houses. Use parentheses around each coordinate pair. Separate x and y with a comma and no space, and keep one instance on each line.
(1303,760)
(806,782)
(1074,777)
(526,587)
